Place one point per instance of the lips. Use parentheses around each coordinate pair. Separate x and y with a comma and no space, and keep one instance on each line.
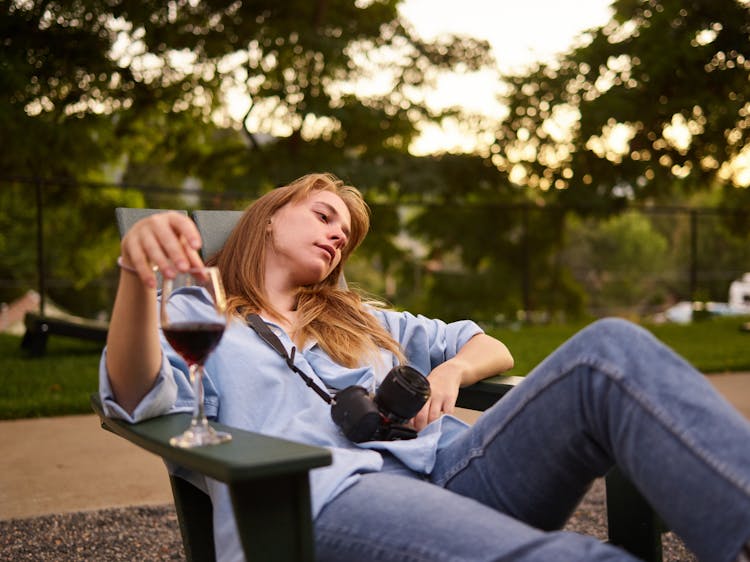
(328,249)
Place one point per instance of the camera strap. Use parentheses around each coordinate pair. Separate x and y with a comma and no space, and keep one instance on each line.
(265,333)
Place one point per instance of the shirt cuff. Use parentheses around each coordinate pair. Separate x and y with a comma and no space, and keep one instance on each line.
(158,401)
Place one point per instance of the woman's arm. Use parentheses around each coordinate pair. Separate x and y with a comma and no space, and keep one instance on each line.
(169,241)
(481,357)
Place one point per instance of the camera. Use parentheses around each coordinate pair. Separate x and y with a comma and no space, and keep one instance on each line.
(398,399)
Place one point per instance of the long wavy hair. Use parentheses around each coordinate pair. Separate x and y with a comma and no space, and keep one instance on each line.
(335,316)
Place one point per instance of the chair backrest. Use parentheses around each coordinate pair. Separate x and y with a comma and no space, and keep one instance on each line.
(214,227)
(128,216)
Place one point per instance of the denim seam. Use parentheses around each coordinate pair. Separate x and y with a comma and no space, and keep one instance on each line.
(331,534)
(613,374)
(478,451)
(661,416)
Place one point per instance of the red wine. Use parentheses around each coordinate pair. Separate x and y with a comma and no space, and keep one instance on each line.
(194,340)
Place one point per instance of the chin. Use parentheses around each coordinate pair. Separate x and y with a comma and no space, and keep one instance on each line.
(314,273)
(314,279)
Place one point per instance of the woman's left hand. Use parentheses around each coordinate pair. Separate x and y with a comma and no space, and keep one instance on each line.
(445,381)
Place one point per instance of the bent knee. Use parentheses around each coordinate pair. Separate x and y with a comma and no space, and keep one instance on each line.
(617,329)
(618,343)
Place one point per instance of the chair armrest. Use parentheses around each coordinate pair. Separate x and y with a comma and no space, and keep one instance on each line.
(483,394)
(268,480)
(247,456)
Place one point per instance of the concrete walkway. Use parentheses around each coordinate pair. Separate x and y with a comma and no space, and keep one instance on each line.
(68,464)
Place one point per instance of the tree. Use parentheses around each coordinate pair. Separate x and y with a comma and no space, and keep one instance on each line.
(658,94)
(137,92)
(620,262)
(90,81)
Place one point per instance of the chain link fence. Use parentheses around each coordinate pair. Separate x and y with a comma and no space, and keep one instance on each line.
(492,262)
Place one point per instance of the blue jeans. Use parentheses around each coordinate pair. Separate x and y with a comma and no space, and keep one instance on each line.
(610,395)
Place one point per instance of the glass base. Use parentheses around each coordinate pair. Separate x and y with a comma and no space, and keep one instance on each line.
(199,435)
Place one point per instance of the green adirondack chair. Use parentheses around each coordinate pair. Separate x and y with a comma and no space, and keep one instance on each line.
(268,477)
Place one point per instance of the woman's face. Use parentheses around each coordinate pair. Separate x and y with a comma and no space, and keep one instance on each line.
(307,238)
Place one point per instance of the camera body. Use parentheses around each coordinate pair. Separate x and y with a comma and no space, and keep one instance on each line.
(398,399)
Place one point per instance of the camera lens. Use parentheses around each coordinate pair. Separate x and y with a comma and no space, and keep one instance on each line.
(355,414)
(403,393)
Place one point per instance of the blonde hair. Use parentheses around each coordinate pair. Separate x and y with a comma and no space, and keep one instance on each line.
(336,317)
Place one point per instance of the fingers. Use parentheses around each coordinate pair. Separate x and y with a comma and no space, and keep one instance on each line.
(438,408)
(449,404)
(420,420)
(432,410)
(437,405)
(168,241)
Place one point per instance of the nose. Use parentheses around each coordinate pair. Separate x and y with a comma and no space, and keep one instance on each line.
(338,236)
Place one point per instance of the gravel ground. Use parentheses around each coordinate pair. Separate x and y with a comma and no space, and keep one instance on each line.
(591,519)
(153,534)
(126,534)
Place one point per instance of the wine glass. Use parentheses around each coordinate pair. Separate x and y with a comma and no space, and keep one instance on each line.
(194,329)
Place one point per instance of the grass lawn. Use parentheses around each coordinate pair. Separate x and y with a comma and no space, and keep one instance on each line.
(60,382)
(715,345)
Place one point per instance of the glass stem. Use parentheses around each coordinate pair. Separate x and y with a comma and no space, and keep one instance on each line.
(196,378)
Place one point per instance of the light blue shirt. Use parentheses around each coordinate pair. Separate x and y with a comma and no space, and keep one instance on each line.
(249,386)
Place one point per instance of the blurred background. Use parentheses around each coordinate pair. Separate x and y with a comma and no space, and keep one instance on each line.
(525,161)
(530,164)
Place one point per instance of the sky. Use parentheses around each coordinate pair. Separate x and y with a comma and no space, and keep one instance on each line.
(520,32)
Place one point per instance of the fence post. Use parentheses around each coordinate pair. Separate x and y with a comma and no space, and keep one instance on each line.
(693,254)
(525,259)
(40,245)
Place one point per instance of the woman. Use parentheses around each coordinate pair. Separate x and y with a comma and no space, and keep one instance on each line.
(499,490)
